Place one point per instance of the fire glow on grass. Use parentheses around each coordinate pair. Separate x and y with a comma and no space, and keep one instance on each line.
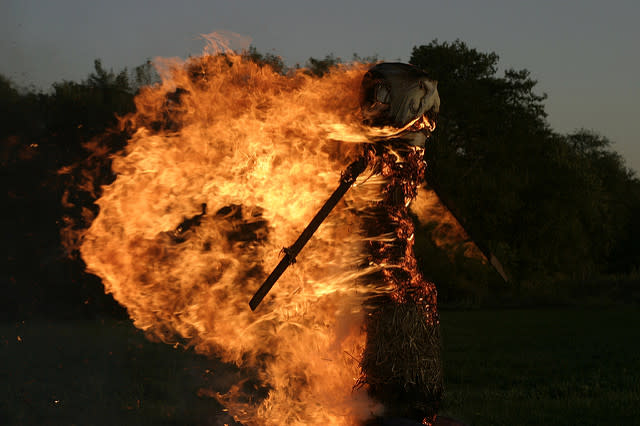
(247,156)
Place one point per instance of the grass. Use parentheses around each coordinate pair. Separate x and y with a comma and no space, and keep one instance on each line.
(104,373)
(559,366)
(543,366)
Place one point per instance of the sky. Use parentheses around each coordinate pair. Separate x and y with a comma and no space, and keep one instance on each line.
(583,54)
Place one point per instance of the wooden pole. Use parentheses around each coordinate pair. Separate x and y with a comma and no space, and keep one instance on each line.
(346,181)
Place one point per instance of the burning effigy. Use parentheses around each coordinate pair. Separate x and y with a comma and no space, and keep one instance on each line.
(227,164)
(401,360)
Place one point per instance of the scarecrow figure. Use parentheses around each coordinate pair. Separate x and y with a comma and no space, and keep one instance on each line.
(401,362)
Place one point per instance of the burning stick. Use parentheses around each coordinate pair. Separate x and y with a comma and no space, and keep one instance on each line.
(347,179)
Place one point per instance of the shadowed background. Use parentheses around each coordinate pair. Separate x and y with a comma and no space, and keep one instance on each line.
(564,220)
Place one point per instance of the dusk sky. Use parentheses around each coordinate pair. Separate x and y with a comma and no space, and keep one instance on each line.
(584,54)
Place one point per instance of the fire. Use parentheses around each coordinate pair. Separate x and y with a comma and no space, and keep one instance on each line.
(447,233)
(227,164)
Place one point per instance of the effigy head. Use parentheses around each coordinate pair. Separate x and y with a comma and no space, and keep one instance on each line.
(401,96)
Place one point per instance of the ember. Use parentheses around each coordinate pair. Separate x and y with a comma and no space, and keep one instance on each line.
(228,163)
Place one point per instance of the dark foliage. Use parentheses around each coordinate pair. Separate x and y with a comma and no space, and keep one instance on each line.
(42,133)
(268,59)
(550,206)
(320,67)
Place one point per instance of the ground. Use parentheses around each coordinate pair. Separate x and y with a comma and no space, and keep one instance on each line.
(502,367)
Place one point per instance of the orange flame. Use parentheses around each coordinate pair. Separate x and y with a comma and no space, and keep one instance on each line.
(228,163)
(447,233)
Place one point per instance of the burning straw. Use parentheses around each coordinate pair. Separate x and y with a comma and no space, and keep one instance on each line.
(402,360)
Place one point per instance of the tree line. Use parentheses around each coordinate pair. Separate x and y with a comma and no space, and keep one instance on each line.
(552,207)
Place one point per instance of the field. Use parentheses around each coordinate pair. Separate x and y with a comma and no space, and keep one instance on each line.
(578,366)
(560,366)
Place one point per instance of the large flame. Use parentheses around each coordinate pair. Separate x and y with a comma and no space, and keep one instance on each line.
(228,163)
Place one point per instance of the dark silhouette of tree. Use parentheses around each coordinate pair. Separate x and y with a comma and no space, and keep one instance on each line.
(92,105)
(551,207)
(548,205)
(268,59)
(144,75)
(320,67)
(44,132)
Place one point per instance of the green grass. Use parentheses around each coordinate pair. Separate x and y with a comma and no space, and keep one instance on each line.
(578,366)
(563,366)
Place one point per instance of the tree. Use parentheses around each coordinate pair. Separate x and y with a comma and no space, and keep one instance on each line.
(547,205)
(144,75)
(268,59)
(320,67)
(614,200)
(89,107)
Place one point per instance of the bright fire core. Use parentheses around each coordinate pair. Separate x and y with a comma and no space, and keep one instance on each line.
(262,151)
